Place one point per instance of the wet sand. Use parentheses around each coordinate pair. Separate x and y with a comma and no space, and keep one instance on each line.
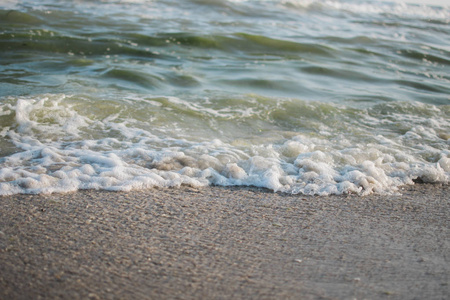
(225,243)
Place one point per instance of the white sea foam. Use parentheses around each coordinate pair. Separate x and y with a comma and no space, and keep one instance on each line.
(59,148)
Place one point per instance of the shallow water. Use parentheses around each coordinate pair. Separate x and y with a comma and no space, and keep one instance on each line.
(313,97)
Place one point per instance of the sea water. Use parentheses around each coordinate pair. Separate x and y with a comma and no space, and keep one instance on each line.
(297,96)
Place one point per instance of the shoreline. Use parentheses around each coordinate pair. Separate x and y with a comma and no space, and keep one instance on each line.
(225,242)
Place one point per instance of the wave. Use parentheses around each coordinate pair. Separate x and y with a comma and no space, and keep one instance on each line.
(405,10)
(299,97)
(61,143)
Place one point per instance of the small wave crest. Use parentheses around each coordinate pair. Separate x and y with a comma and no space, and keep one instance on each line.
(399,9)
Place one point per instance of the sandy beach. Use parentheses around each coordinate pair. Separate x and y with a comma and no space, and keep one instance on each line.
(225,243)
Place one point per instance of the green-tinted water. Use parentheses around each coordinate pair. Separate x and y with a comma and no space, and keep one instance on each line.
(304,97)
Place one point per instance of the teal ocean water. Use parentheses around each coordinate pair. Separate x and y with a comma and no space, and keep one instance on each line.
(297,96)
